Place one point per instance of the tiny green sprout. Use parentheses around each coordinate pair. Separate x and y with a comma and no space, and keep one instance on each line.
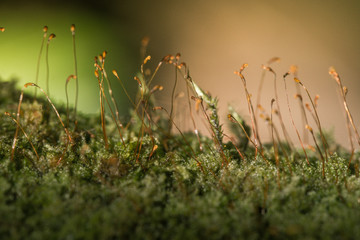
(213,119)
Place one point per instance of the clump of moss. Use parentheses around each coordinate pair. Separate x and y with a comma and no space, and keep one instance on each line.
(106,193)
(104,178)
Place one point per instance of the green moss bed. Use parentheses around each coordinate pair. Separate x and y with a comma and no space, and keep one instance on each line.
(84,190)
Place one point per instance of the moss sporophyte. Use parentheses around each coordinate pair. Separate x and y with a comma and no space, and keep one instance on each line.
(65,174)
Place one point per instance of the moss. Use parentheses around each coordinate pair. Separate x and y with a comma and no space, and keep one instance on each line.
(173,191)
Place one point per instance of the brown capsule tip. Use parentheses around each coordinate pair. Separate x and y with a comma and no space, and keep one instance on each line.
(272,101)
(245,65)
(70,77)
(7,114)
(161,88)
(104,54)
(115,73)
(2,29)
(157,108)
(182,65)
(332,71)
(138,81)
(168,59)
(147,59)
(286,74)
(45,29)
(29,84)
(155,88)
(96,73)
(51,37)
(298,96)
(308,128)
(101,58)
(296,80)
(231,118)
(267,68)
(177,57)
(97,66)
(72,28)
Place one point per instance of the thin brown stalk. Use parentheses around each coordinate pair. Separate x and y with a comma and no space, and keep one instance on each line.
(318,148)
(294,71)
(52,36)
(103,75)
(173,89)
(286,134)
(292,119)
(17,127)
(189,80)
(250,108)
(323,140)
(45,29)
(263,72)
(123,87)
(69,140)
(343,91)
(72,29)
(102,111)
(276,151)
(232,119)
(103,71)
(280,144)
(234,144)
(67,98)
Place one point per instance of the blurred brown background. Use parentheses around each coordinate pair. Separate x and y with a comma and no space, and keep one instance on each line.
(215,38)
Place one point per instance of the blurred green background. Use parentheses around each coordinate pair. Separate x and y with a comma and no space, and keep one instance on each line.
(214,37)
(96,31)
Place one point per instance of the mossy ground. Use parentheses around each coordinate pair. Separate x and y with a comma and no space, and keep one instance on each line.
(99,193)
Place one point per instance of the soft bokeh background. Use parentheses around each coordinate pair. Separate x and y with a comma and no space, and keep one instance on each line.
(214,37)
